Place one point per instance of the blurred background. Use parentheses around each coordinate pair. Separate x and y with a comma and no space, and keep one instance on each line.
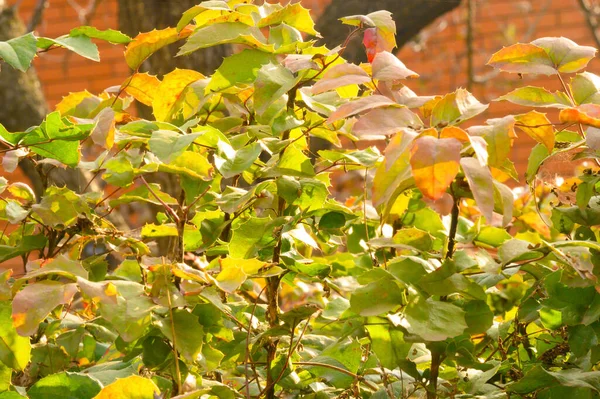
(448,42)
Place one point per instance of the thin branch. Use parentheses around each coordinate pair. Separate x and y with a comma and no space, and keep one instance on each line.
(168,209)
(37,15)
(591,19)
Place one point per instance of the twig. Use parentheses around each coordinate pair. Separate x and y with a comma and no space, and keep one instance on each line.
(168,209)
(591,19)
(37,15)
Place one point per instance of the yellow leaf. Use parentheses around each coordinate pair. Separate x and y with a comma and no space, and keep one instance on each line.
(169,92)
(132,387)
(434,163)
(294,15)
(147,43)
(538,127)
(71,102)
(142,87)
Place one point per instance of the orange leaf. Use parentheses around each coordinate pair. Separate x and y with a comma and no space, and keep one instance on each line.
(434,163)
(586,114)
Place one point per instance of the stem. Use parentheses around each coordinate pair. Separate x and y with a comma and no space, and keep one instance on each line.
(175,354)
(453,227)
(436,361)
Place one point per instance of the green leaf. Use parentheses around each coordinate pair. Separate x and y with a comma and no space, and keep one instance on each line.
(133,387)
(582,339)
(14,349)
(455,108)
(376,298)
(272,82)
(481,184)
(293,15)
(109,35)
(332,220)
(239,68)
(34,303)
(168,145)
(586,88)
(245,236)
(230,162)
(81,45)
(434,320)
(190,164)
(19,52)
(228,32)
(61,207)
(537,97)
(27,244)
(479,317)
(189,334)
(538,155)
(65,385)
(499,134)
(538,378)
(388,344)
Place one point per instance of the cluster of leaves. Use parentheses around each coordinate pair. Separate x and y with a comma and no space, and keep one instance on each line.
(269,285)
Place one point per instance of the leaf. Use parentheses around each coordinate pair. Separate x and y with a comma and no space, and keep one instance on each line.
(585,87)
(65,385)
(109,35)
(189,334)
(566,55)
(376,298)
(190,164)
(434,163)
(131,314)
(455,108)
(499,134)
(382,37)
(230,162)
(193,12)
(132,387)
(360,105)
(223,33)
(504,198)
(15,350)
(142,194)
(537,97)
(245,236)
(26,244)
(103,133)
(479,317)
(34,303)
(387,67)
(168,95)
(168,145)
(145,44)
(395,173)
(386,121)
(81,45)
(293,15)
(538,127)
(434,320)
(481,184)
(19,52)
(538,378)
(523,58)
(239,68)
(339,76)
(273,82)
(142,87)
(586,114)
(60,207)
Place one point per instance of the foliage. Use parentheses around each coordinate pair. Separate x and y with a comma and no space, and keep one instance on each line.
(271,286)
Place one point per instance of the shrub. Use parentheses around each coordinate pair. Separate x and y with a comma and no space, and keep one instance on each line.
(269,285)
